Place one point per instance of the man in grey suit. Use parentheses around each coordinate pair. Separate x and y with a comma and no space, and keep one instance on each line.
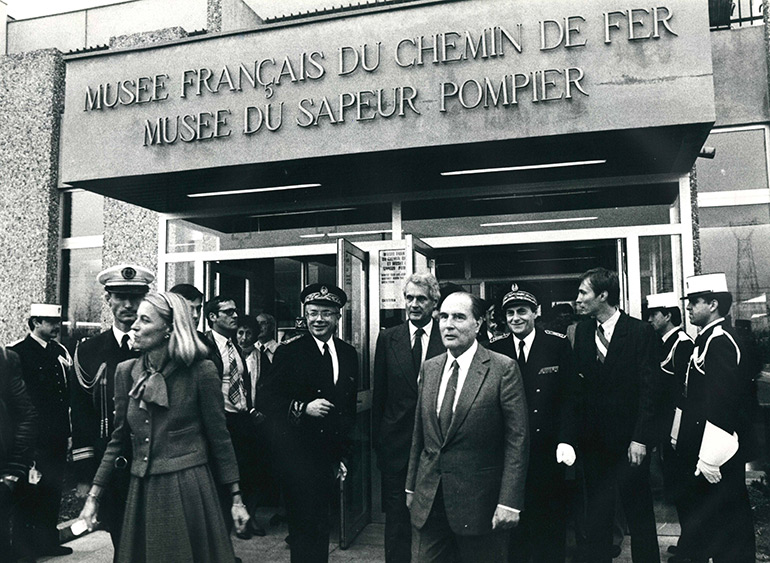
(400,352)
(468,462)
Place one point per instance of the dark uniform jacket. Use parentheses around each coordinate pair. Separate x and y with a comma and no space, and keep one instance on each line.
(18,419)
(92,400)
(189,433)
(551,387)
(718,394)
(395,394)
(296,380)
(674,358)
(622,393)
(45,372)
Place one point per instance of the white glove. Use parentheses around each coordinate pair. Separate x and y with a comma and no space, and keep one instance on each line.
(710,472)
(565,454)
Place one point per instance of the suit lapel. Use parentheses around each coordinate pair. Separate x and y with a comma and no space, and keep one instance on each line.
(432,382)
(618,339)
(402,348)
(435,344)
(477,372)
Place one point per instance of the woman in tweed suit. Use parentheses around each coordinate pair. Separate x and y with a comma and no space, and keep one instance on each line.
(169,405)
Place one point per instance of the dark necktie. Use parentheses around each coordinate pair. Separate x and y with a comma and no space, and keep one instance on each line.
(124,344)
(417,349)
(522,359)
(234,392)
(328,364)
(447,405)
(602,344)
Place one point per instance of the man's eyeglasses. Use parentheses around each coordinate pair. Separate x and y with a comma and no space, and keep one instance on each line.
(325,315)
(229,312)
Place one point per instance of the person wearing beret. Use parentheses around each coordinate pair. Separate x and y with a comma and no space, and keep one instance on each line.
(711,434)
(18,436)
(92,390)
(314,382)
(551,388)
(168,410)
(45,367)
(617,357)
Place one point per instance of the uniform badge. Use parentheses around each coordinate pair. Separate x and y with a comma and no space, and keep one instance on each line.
(128,273)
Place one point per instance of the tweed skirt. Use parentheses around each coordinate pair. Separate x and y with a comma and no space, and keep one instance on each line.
(174,517)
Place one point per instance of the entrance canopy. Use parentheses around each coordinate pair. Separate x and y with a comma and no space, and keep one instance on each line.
(414,100)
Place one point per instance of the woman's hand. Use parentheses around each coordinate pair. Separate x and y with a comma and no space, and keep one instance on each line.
(90,511)
(240,516)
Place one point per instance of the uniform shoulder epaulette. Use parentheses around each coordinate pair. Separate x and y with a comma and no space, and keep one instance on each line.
(554,333)
(292,339)
(498,337)
(15,342)
(682,336)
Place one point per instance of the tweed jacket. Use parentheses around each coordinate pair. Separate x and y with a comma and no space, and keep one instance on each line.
(190,432)
(395,394)
(482,461)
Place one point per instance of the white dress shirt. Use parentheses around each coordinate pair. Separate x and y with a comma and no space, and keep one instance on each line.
(333,352)
(528,340)
(221,342)
(609,325)
(425,337)
(464,363)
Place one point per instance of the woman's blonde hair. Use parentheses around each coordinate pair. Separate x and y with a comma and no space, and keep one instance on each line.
(183,344)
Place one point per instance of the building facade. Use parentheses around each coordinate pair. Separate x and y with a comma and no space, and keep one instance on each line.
(486,141)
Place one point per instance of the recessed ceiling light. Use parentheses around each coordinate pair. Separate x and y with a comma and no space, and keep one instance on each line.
(537,222)
(525,167)
(255,190)
(308,212)
(347,234)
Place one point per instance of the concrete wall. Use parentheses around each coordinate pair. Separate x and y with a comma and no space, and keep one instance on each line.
(95,26)
(31,102)
(740,76)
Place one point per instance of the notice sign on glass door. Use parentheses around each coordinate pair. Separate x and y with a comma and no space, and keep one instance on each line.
(392,275)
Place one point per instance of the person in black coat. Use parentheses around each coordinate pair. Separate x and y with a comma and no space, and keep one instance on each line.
(18,436)
(315,379)
(399,354)
(617,357)
(45,365)
(712,434)
(551,388)
(92,391)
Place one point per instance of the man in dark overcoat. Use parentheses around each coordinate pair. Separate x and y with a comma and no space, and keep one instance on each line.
(92,390)
(617,357)
(552,391)
(45,367)
(315,379)
(712,434)
(400,352)
(18,436)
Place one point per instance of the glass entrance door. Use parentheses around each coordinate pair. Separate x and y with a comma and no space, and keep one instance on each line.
(355,488)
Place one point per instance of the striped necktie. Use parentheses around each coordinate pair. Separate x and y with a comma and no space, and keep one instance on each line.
(602,344)
(234,393)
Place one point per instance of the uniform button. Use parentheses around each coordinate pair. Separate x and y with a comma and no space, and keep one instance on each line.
(146,439)
(534,410)
(537,430)
(145,458)
(147,421)
(537,390)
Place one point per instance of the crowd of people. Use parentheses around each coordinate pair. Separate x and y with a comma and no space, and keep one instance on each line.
(179,437)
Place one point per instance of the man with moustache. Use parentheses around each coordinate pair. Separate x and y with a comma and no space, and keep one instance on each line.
(316,380)
(617,357)
(400,353)
(92,391)
(552,390)
(468,461)
(711,434)
(45,367)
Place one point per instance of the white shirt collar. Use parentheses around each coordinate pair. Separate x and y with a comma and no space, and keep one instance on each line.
(712,323)
(330,343)
(39,340)
(528,340)
(463,360)
(670,333)
(119,334)
(426,329)
(609,324)
(220,339)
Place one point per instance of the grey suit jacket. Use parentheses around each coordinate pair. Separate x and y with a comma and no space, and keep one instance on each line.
(482,461)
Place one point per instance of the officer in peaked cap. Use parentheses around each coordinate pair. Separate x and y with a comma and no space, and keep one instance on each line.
(551,388)
(92,390)
(45,367)
(711,432)
(314,379)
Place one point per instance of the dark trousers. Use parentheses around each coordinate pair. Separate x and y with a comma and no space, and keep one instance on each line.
(716,519)
(37,511)
(607,477)
(243,437)
(309,487)
(398,525)
(6,505)
(541,535)
(435,542)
